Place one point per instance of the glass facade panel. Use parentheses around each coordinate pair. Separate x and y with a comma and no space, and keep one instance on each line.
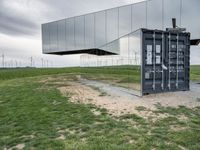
(139,16)
(135,47)
(134,62)
(61,35)
(171,10)
(190,17)
(154,14)
(100,27)
(124,20)
(79,32)
(53,28)
(97,29)
(112,23)
(109,31)
(70,30)
(89,31)
(123,44)
(112,47)
(44,28)
(45,37)
(127,64)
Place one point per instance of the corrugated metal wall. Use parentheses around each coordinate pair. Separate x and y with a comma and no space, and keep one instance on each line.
(166,61)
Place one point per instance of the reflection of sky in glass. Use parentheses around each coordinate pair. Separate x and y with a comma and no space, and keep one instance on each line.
(124,47)
(70,34)
(97,29)
(61,35)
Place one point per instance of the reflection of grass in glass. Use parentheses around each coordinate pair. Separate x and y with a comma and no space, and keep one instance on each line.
(195,73)
(116,72)
(124,76)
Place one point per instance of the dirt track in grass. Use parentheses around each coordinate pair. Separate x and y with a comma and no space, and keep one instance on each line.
(119,102)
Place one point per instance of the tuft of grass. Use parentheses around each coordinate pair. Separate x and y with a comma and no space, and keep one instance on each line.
(195,73)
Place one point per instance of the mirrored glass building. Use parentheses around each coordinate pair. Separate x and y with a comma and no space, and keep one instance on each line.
(110,40)
(91,32)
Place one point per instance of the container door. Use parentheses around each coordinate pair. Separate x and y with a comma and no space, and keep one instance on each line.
(153,62)
(165,61)
(177,62)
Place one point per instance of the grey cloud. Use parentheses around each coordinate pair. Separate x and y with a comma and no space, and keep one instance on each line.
(14,24)
(17,24)
(72,8)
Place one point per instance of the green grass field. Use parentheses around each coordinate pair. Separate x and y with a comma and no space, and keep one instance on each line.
(125,76)
(6,74)
(31,72)
(195,73)
(35,114)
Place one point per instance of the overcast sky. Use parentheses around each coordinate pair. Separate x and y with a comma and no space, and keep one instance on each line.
(20,26)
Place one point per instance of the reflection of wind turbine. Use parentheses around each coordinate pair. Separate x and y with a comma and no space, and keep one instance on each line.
(31,63)
(42,62)
(16,64)
(135,58)
(3,64)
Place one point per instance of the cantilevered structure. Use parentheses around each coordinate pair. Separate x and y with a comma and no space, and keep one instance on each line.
(89,33)
(134,37)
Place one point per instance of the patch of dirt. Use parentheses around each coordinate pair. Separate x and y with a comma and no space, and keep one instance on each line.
(28,136)
(131,141)
(18,146)
(172,99)
(177,128)
(67,131)
(182,118)
(44,80)
(182,148)
(58,80)
(96,112)
(154,116)
(115,105)
(119,102)
(61,137)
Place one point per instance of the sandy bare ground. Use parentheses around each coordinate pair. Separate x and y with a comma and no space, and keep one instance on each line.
(119,102)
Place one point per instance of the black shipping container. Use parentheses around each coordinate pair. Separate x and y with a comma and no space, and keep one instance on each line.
(165,61)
